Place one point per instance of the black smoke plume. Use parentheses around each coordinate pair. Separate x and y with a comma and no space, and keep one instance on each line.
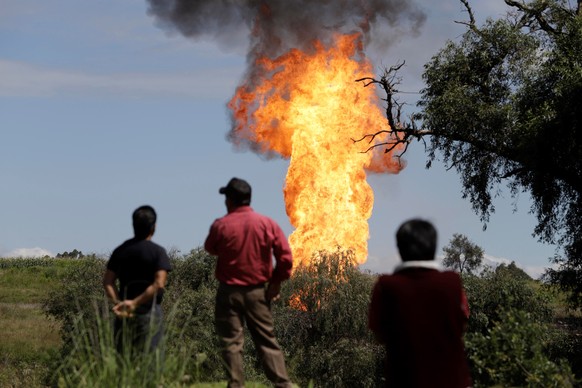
(275,26)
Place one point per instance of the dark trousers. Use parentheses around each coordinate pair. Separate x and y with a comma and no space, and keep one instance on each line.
(236,305)
(141,333)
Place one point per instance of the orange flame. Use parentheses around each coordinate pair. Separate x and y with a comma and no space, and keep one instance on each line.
(307,107)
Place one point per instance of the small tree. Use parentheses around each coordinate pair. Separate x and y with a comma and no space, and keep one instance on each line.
(74,254)
(462,255)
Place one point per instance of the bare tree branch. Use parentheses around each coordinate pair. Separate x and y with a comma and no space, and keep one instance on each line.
(401,133)
(471,24)
(537,14)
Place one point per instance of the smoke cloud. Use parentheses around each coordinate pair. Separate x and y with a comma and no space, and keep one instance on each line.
(275,26)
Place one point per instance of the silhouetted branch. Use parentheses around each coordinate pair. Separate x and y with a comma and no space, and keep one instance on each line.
(471,24)
(537,14)
(401,133)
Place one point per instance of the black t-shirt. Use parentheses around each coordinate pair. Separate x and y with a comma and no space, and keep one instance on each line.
(135,263)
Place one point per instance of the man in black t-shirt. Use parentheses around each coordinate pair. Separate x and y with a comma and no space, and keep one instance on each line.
(142,267)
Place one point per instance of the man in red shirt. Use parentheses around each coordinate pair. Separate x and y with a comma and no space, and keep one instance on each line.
(420,313)
(245,243)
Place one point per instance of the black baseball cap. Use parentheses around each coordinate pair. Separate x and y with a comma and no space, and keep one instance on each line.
(238,190)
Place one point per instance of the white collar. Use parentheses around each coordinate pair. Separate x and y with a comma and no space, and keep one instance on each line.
(429,264)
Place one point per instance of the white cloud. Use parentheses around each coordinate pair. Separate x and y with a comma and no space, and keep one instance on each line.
(28,252)
(20,79)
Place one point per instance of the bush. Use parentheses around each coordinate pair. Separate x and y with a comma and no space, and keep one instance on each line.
(511,340)
(496,291)
(322,324)
(80,287)
(191,291)
(513,352)
(80,305)
(29,262)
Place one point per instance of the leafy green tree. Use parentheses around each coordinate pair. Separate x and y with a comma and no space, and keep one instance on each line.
(503,107)
(462,255)
(513,271)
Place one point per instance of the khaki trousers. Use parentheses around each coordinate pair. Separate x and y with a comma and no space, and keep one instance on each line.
(236,305)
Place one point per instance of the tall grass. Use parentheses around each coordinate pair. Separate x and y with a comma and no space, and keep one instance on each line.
(92,359)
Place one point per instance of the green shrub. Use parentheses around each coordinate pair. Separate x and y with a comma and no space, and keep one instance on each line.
(513,352)
(79,288)
(322,324)
(496,291)
(191,291)
(511,339)
(189,301)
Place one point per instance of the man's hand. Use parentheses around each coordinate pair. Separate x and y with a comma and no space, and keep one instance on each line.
(124,309)
(273,292)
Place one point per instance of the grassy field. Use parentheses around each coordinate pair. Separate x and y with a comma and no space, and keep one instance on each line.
(30,341)
(28,338)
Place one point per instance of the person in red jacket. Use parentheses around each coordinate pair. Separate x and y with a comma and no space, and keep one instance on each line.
(245,243)
(420,314)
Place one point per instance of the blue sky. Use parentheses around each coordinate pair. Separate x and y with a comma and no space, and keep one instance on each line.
(102,111)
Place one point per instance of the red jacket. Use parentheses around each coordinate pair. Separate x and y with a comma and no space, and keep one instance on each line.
(420,315)
(245,243)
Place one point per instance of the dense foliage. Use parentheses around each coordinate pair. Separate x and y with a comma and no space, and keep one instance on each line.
(503,106)
(513,352)
(494,292)
(321,325)
(79,295)
(512,338)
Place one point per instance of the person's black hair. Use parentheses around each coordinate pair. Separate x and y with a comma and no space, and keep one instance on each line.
(416,240)
(144,221)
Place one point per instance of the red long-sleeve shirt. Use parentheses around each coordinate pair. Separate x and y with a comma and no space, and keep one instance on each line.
(245,243)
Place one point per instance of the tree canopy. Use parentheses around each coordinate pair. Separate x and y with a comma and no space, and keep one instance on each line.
(462,255)
(503,107)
